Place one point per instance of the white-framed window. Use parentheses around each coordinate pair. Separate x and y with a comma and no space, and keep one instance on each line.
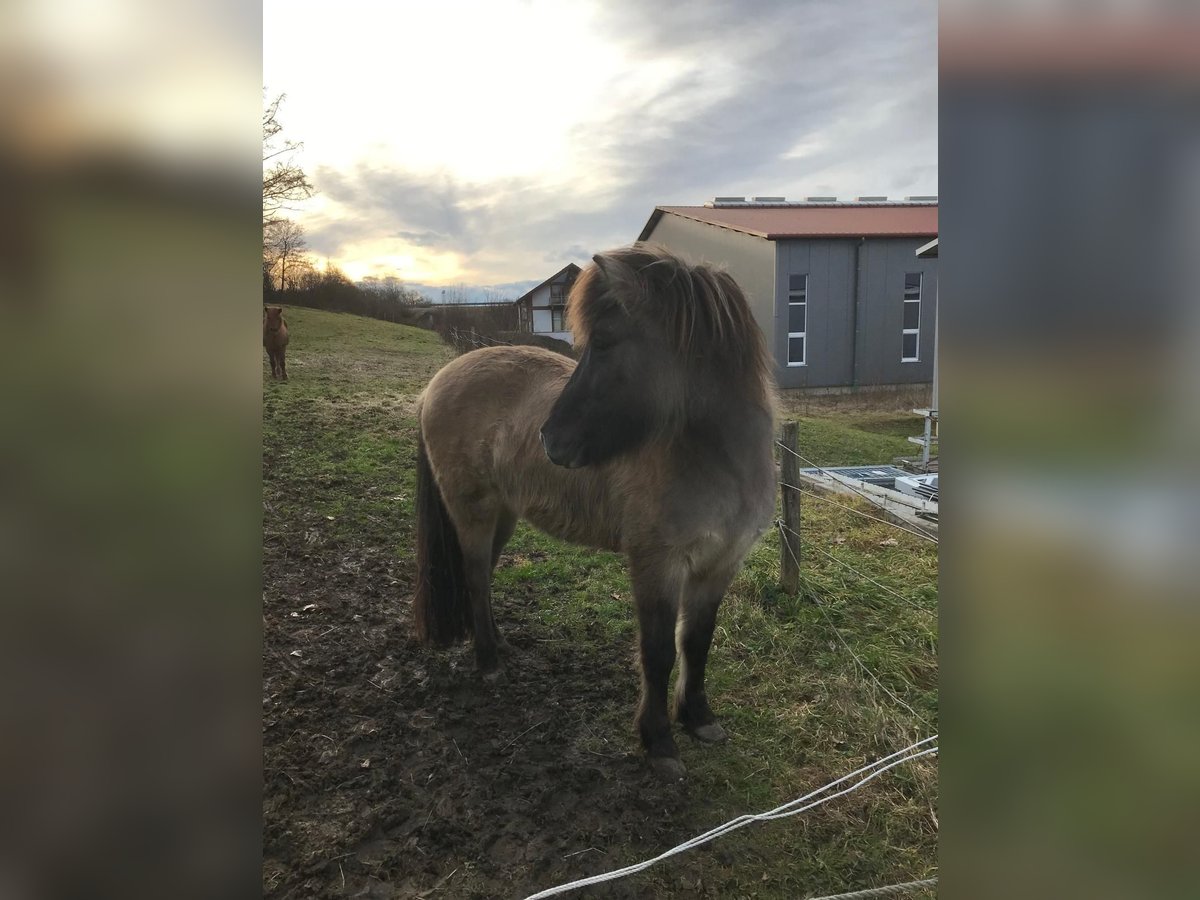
(910,336)
(797,323)
(558,306)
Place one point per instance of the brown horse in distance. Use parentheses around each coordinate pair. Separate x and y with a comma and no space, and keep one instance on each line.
(657,444)
(275,340)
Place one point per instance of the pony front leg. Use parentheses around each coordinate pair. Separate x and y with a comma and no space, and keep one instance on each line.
(657,599)
(697,622)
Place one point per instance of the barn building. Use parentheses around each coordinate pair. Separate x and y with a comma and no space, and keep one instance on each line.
(837,287)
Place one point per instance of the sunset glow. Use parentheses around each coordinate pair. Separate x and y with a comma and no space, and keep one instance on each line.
(492,142)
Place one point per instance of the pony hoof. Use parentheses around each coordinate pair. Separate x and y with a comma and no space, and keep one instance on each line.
(712,733)
(668,768)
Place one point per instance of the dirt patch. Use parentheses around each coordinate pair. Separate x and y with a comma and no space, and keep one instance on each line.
(389,766)
(403,403)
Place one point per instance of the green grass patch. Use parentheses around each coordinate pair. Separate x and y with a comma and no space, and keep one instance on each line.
(338,466)
(855,440)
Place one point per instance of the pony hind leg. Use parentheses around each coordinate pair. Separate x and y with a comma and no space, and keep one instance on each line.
(478,570)
(506,524)
(479,554)
(694,631)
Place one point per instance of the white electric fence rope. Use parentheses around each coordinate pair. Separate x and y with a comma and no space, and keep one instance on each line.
(859,512)
(891,890)
(780,812)
(832,627)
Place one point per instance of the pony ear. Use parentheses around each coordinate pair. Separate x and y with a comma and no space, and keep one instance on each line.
(620,277)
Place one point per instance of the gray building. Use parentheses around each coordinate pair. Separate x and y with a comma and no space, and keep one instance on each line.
(836,287)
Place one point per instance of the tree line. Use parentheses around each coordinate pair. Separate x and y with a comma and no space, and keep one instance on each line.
(291,276)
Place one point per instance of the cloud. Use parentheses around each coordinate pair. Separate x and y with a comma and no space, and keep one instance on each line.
(505,229)
(428,210)
(760,97)
(576,253)
(856,83)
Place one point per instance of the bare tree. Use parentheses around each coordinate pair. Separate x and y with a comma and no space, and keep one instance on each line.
(456,293)
(284,181)
(302,271)
(283,244)
(391,289)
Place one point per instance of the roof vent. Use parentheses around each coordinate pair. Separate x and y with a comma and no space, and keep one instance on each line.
(923,198)
(729,199)
(872,199)
(769,199)
(821,199)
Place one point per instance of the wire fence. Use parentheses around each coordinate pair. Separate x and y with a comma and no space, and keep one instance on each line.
(877,502)
(845,565)
(858,512)
(791,555)
(868,772)
(461,337)
(786,545)
(846,644)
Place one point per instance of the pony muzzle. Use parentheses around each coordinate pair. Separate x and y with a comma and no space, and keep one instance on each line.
(556,453)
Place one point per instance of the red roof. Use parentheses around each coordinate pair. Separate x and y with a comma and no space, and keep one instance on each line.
(809,221)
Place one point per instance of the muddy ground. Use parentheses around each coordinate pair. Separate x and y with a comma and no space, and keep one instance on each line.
(394,771)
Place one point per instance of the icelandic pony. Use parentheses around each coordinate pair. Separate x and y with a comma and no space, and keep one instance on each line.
(275,340)
(657,444)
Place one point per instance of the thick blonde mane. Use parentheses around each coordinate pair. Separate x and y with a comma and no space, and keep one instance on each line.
(701,308)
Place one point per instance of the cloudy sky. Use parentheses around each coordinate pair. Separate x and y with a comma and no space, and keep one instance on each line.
(493,141)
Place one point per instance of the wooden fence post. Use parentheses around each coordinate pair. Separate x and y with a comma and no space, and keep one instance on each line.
(789,539)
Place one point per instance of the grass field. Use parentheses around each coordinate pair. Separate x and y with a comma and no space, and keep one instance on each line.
(339,443)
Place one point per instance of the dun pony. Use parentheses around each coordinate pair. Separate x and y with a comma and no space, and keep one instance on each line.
(275,340)
(657,445)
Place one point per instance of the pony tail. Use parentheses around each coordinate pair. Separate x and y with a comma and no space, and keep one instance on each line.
(441,605)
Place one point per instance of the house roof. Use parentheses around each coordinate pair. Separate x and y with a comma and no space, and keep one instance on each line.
(809,220)
(569,267)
